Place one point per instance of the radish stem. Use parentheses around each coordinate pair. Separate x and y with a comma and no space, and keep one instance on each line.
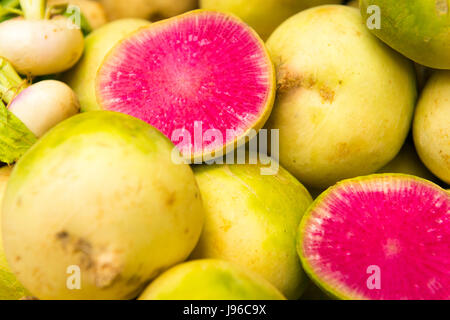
(10,82)
(33,9)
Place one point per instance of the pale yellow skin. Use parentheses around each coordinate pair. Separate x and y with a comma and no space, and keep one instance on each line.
(263,15)
(146,9)
(92,10)
(41,47)
(252,220)
(210,280)
(432,125)
(82,77)
(345,100)
(10,288)
(45,104)
(99,192)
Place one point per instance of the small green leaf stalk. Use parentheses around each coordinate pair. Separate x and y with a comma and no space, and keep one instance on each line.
(33,9)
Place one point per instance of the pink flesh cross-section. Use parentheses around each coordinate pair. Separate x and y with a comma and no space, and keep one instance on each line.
(387,238)
(206,70)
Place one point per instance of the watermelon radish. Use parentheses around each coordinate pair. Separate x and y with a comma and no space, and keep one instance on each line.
(202,74)
(379,237)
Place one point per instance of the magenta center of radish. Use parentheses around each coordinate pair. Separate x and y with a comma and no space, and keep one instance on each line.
(386,239)
(205,68)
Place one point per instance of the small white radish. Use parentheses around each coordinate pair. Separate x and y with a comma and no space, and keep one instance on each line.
(44,104)
(41,47)
(39,106)
(92,10)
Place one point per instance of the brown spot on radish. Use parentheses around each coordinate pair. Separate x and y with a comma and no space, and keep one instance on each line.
(327,94)
(442,7)
(171,199)
(342,150)
(62,235)
(104,265)
(288,81)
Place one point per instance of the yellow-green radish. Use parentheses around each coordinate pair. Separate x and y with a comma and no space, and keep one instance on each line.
(10,288)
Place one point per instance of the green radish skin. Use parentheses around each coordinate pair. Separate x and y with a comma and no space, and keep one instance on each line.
(146,9)
(431,128)
(41,47)
(10,288)
(263,15)
(257,228)
(105,196)
(82,77)
(39,106)
(92,10)
(210,280)
(43,105)
(418,29)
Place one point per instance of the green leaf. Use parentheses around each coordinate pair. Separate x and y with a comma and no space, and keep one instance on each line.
(15,137)
(9,9)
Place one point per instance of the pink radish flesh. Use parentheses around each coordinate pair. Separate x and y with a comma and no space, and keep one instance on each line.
(204,67)
(400,225)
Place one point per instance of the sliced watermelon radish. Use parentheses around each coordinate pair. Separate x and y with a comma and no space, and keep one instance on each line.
(203,73)
(379,237)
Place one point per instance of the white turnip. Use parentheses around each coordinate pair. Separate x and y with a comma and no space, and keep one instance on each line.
(39,46)
(39,106)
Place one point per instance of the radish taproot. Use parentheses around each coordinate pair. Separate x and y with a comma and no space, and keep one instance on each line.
(38,46)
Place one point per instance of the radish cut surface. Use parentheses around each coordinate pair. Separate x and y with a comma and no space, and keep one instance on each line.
(379,237)
(203,73)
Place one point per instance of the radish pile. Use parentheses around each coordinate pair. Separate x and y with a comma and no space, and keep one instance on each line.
(243,150)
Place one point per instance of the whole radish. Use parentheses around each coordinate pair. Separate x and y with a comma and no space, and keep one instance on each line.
(38,45)
(32,110)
